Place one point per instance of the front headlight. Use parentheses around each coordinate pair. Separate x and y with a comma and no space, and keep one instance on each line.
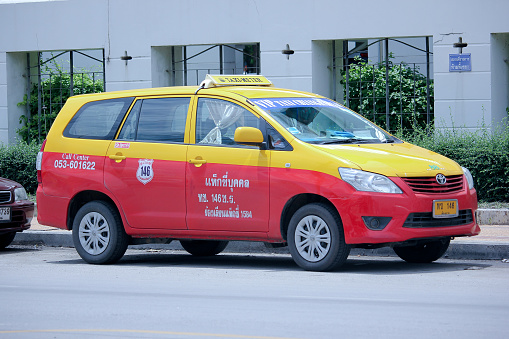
(20,194)
(368,182)
(470,179)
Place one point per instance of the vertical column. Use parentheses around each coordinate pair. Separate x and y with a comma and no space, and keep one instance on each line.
(13,87)
(71,73)
(428,111)
(387,94)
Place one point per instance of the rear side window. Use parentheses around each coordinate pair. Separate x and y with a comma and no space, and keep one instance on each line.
(98,119)
(158,119)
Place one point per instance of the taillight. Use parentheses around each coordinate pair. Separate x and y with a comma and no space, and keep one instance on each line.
(38,162)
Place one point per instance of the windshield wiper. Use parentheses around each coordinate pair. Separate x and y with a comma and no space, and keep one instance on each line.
(344,141)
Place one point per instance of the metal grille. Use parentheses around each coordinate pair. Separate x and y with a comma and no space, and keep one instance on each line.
(18,217)
(52,78)
(392,95)
(5,196)
(423,220)
(429,185)
(213,59)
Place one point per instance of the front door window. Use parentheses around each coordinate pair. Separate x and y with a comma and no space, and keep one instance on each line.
(217,120)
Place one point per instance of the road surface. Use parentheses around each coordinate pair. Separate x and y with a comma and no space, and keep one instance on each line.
(50,292)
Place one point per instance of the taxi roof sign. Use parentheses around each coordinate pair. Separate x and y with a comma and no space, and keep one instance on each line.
(234,80)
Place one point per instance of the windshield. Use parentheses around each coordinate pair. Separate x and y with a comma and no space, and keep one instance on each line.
(322,121)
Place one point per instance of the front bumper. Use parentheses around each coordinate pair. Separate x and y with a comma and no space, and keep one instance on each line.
(410,213)
(22,214)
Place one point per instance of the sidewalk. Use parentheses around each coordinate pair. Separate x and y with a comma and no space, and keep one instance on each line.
(492,243)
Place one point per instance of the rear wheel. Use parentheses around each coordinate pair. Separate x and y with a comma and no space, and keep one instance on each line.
(98,233)
(316,239)
(6,239)
(204,248)
(424,252)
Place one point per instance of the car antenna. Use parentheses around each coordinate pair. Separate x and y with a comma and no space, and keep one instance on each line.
(202,86)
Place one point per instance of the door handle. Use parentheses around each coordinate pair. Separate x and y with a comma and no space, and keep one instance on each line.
(197,162)
(117,157)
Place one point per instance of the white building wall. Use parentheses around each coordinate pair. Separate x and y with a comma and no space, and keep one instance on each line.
(474,88)
(139,26)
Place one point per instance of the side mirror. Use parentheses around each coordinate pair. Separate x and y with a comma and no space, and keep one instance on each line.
(249,136)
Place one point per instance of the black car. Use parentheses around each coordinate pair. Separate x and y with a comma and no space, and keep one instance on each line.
(16,211)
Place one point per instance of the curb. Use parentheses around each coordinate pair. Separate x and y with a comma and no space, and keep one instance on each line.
(482,250)
(492,216)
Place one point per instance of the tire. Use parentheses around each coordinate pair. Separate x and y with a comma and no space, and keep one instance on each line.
(424,252)
(204,248)
(316,239)
(98,233)
(6,239)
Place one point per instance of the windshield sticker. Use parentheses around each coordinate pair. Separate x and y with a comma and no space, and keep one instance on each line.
(293,130)
(285,102)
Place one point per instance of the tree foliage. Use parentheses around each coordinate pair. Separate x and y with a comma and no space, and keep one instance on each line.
(54,90)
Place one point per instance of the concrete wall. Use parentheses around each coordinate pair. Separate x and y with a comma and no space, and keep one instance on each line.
(145,28)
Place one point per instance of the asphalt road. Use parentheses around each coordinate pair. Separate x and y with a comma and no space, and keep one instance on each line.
(51,293)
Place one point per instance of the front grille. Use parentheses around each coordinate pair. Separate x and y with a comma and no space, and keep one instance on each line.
(423,220)
(429,185)
(18,216)
(5,196)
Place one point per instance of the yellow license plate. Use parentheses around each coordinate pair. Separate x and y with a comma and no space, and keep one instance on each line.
(445,208)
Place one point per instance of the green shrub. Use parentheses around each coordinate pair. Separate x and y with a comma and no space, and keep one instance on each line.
(485,154)
(17,162)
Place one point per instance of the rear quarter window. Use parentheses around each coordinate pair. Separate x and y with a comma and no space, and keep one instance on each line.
(98,119)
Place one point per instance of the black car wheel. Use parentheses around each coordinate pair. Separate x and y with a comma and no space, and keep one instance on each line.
(203,248)
(98,233)
(6,239)
(316,239)
(425,252)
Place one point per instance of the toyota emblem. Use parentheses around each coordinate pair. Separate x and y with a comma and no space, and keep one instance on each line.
(441,179)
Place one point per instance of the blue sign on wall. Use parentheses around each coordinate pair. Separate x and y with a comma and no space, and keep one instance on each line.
(460,62)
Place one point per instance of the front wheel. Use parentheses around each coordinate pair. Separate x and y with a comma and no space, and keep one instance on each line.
(204,248)
(6,239)
(98,233)
(425,252)
(316,239)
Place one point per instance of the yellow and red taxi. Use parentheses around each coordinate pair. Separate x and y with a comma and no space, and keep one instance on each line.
(238,159)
